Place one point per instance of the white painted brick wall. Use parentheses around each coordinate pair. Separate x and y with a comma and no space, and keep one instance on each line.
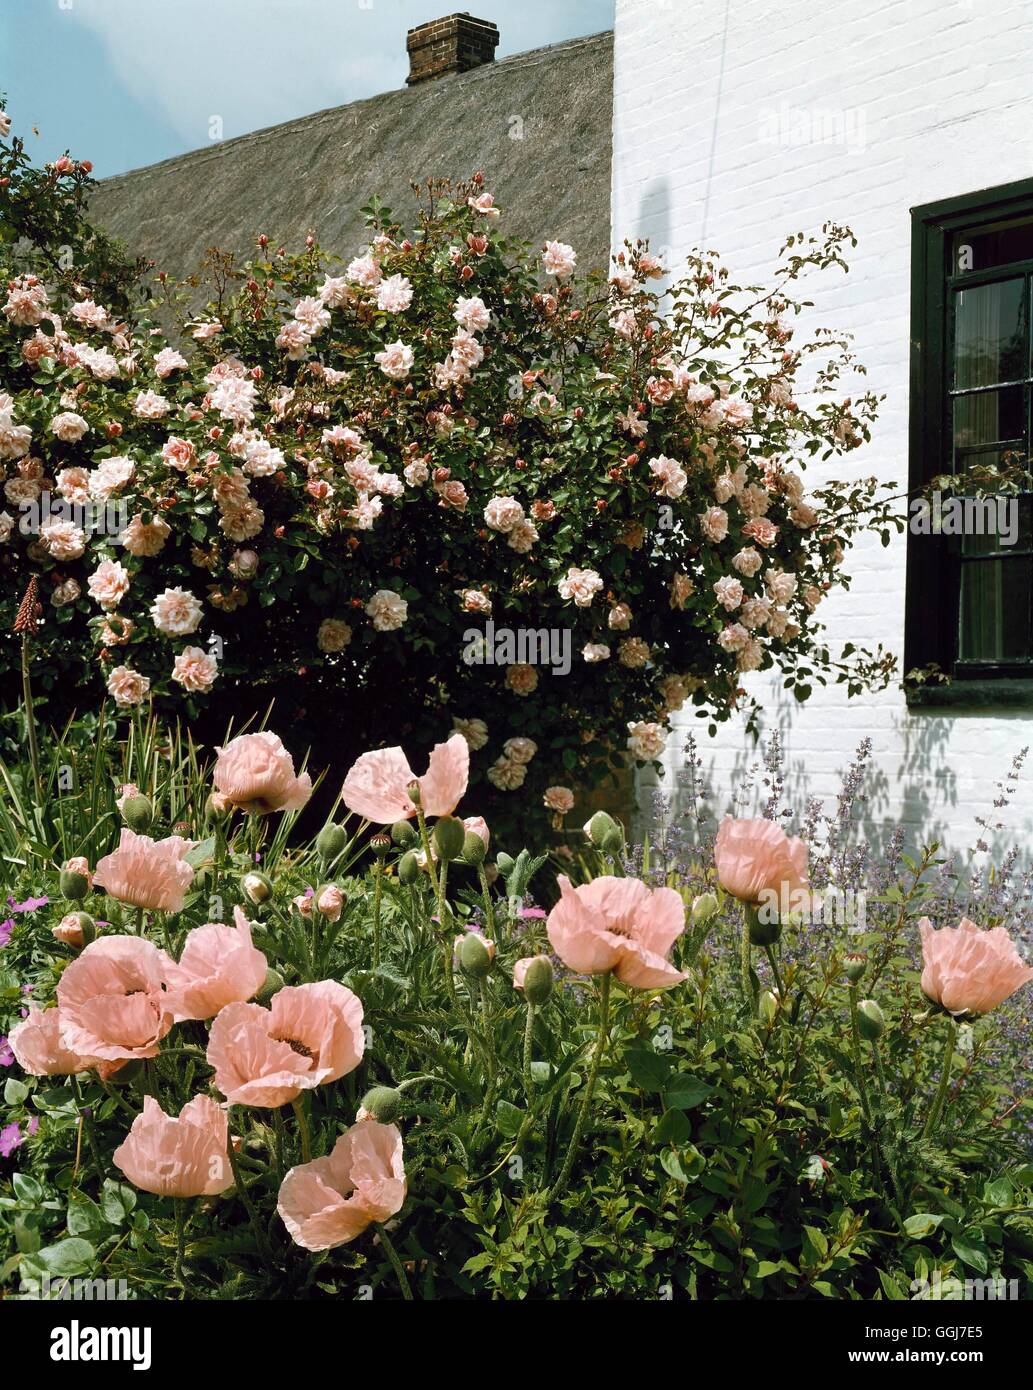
(945,92)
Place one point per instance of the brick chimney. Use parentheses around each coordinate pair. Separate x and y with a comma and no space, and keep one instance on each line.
(453,44)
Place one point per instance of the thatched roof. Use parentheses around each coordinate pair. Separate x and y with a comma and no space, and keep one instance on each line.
(314,174)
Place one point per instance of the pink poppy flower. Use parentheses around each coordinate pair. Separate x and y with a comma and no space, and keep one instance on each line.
(969,971)
(177,1158)
(755,858)
(332,1200)
(113,1001)
(147,873)
(256,773)
(218,966)
(267,1057)
(618,924)
(37,1045)
(376,788)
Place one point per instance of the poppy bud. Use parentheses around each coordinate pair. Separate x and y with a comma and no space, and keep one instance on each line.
(383,1103)
(273,983)
(216,809)
(330,841)
(138,813)
(74,885)
(408,868)
(704,907)
(474,848)
(871,1021)
(854,965)
(476,955)
(448,838)
(256,886)
(538,980)
(414,791)
(403,834)
(504,861)
(329,900)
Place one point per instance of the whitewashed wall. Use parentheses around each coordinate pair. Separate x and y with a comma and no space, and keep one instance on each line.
(931,98)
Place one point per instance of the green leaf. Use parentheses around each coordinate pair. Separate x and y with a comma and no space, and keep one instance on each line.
(648,1069)
(509,1118)
(67,1257)
(85,1217)
(117,1201)
(15,1091)
(922,1224)
(27,1189)
(685,1092)
(971,1249)
(673,1128)
(998,1193)
(891,1289)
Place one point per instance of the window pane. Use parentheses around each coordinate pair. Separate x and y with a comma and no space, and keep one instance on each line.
(989,334)
(989,417)
(992,524)
(995,608)
(993,246)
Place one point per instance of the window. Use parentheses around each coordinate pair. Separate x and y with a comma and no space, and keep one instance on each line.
(970,582)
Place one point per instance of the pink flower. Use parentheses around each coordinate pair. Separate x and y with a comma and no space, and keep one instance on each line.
(332,1200)
(472,314)
(108,584)
(69,930)
(217,966)
(256,773)
(113,1000)
(580,585)
(394,295)
(478,826)
(68,427)
(559,259)
(177,1158)
(330,902)
(559,799)
(39,1049)
(969,971)
(147,873)
(484,203)
(376,788)
(395,361)
(618,924)
(195,670)
(761,530)
(176,612)
(267,1057)
(127,687)
(714,523)
(755,858)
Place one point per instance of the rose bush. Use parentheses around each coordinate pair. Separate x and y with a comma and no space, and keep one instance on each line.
(422,483)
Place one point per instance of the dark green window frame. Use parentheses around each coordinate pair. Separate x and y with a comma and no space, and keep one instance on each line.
(934,564)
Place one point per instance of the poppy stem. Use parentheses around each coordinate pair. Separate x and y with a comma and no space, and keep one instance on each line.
(396,1264)
(245,1196)
(744,962)
(378,874)
(182,1218)
(855,1047)
(586,1099)
(306,1138)
(528,1045)
(489,916)
(933,1118)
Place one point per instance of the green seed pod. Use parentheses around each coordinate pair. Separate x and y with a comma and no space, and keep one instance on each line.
(538,980)
(474,848)
(704,907)
(767,1008)
(138,813)
(273,983)
(408,868)
(600,826)
(476,955)
(330,841)
(256,886)
(854,966)
(74,886)
(380,844)
(871,1021)
(383,1103)
(403,834)
(448,838)
(762,933)
(505,862)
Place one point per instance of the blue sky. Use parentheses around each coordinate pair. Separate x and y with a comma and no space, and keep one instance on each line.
(128,82)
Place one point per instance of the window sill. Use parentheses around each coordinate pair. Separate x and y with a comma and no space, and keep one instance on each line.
(1000,693)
